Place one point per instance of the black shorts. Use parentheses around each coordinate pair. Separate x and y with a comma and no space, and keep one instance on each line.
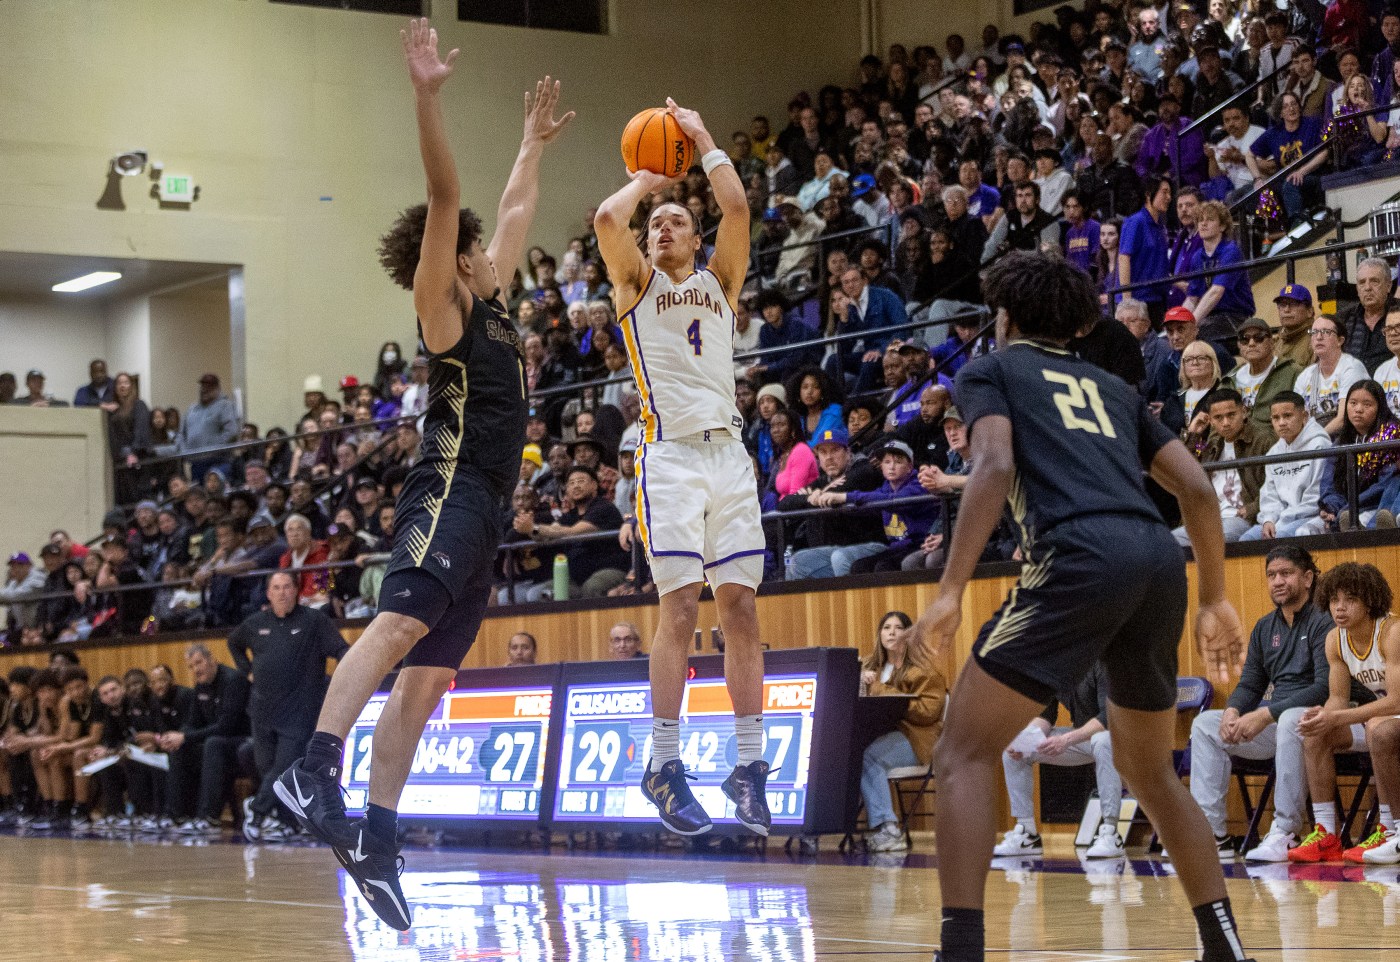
(1110,588)
(441,570)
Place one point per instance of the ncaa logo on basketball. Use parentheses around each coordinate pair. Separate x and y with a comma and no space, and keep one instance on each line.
(680,156)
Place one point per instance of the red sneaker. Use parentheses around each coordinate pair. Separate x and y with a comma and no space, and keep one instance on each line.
(1357,853)
(1320,846)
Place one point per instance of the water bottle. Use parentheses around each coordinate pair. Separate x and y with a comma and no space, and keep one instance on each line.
(787,564)
(561,577)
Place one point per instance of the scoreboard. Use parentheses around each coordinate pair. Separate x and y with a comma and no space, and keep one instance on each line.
(565,745)
(603,732)
(481,755)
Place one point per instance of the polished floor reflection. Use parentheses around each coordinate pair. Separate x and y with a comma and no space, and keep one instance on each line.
(117,900)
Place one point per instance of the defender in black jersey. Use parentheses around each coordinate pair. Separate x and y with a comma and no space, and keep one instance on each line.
(1064,445)
(448,523)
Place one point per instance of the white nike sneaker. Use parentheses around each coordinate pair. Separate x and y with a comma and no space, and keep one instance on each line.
(1386,853)
(1107,844)
(1019,842)
(1274,847)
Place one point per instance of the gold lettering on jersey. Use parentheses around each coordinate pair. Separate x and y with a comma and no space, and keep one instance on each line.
(1372,678)
(692,297)
(503,332)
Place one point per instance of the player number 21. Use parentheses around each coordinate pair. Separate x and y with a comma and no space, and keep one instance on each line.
(692,334)
(1079,394)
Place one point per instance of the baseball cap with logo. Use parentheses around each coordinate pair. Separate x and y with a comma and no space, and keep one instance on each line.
(20,558)
(1179,315)
(862,185)
(1294,292)
(832,436)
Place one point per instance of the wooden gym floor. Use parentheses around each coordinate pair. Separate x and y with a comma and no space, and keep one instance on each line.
(100,900)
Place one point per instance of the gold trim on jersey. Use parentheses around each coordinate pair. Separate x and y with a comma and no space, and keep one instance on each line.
(449,445)
(639,497)
(1014,623)
(1375,633)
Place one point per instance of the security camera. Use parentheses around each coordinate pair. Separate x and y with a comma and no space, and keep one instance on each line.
(130,163)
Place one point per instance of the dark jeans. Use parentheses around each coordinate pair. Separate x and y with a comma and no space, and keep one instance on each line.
(219,769)
(275,749)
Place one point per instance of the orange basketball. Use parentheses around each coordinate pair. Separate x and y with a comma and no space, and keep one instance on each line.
(654,141)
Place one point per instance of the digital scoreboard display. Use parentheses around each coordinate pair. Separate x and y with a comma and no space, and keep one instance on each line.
(605,746)
(481,755)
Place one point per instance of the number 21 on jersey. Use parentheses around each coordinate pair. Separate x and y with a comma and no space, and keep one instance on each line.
(1080,394)
(692,334)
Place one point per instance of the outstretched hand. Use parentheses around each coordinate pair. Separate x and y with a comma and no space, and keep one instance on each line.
(1221,641)
(420,51)
(540,124)
(689,120)
(653,182)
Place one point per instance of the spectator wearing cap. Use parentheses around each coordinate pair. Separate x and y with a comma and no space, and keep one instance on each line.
(22,578)
(36,398)
(781,328)
(1261,374)
(1169,149)
(303,550)
(1052,179)
(132,607)
(905,526)
(1142,248)
(1294,306)
(1181,329)
(797,260)
(596,566)
(1364,323)
(531,463)
(625,492)
(54,614)
(1026,228)
(415,395)
(145,539)
(210,422)
(591,453)
(99,390)
(826,533)
(342,544)
(349,391)
(1224,299)
(313,395)
(869,201)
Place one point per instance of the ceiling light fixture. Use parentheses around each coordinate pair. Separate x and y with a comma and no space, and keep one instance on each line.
(95,279)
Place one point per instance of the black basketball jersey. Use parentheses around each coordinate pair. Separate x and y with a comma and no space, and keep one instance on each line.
(1081,437)
(476,406)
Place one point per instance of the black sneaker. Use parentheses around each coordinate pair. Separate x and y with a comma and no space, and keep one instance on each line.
(376,866)
(668,791)
(747,788)
(316,801)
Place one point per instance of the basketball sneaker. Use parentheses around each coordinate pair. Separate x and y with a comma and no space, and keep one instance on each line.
(888,839)
(1355,854)
(315,799)
(1107,844)
(252,821)
(668,791)
(376,865)
(1018,841)
(1386,853)
(1273,848)
(747,788)
(1320,846)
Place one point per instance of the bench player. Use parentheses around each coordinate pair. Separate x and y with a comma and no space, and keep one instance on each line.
(697,504)
(448,524)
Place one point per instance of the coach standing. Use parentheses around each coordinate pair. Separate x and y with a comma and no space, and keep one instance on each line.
(285,649)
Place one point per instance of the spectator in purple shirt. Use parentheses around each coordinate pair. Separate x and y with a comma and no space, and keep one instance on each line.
(1166,150)
(1081,243)
(1222,301)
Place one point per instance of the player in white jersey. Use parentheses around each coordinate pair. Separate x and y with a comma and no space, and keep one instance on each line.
(1363,654)
(697,503)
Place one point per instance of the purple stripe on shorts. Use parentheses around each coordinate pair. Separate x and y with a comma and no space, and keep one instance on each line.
(737,554)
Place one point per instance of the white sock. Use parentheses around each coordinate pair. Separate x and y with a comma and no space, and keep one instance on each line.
(1326,816)
(1027,825)
(748,734)
(665,742)
(1385,818)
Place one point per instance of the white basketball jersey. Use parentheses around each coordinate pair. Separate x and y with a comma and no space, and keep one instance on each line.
(1366,669)
(680,340)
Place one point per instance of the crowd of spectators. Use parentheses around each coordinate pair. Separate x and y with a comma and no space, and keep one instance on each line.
(873,207)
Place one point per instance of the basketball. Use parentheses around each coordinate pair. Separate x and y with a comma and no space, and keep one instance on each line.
(654,141)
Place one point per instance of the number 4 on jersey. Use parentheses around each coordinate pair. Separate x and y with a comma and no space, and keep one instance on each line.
(692,334)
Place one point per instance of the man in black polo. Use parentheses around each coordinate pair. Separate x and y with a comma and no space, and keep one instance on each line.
(285,649)
(595,567)
(204,750)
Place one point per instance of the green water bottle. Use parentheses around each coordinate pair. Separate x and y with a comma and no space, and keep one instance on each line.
(561,577)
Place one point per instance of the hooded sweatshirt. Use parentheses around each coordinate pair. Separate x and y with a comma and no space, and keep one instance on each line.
(906,525)
(1292,491)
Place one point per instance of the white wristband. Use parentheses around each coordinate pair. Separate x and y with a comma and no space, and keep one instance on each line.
(715,158)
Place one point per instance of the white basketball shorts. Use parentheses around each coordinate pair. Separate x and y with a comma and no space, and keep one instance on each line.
(697,511)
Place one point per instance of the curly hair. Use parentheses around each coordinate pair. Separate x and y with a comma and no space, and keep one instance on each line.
(400,248)
(1362,581)
(1043,294)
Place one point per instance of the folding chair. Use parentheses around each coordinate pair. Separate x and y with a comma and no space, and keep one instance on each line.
(1355,765)
(1242,768)
(901,780)
(1193,696)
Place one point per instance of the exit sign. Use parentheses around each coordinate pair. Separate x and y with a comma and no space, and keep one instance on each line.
(177,188)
